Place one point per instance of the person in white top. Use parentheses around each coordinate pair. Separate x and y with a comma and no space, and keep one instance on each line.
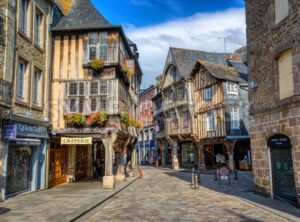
(220,159)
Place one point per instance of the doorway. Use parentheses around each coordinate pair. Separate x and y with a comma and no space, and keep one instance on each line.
(81,162)
(283,180)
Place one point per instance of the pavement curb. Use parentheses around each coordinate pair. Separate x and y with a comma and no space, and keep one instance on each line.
(102,201)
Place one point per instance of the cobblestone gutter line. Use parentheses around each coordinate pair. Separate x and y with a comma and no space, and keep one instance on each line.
(102,201)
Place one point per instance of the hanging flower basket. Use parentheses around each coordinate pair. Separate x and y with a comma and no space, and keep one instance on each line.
(97,65)
(96,119)
(74,120)
(125,117)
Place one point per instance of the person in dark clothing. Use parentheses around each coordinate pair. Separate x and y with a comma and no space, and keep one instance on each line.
(98,168)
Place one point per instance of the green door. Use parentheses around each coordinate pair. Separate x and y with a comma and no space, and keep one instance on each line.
(282,171)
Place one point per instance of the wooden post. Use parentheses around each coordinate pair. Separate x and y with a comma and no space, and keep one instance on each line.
(108,179)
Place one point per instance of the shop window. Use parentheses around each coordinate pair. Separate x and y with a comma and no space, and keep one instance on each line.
(286,82)
(281,10)
(235,117)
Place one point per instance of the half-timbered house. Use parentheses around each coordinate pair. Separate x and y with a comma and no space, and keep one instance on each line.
(221,113)
(173,106)
(95,84)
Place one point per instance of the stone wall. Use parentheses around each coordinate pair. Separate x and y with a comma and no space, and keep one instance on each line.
(286,122)
(269,114)
(265,43)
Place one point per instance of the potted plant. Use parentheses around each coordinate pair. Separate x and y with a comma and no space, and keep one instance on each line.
(98,118)
(125,117)
(74,120)
(97,65)
(133,123)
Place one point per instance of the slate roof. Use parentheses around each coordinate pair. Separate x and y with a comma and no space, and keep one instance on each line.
(240,67)
(222,72)
(82,15)
(185,59)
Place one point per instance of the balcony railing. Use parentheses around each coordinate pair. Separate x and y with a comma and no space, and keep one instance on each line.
(5,92)
(179,130)
(176,103)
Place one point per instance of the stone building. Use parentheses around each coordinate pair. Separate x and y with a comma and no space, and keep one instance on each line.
(25,60)
(146,143)
(274,60)
(94,98)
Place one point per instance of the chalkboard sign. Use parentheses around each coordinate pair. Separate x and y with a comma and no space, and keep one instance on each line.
(279,141)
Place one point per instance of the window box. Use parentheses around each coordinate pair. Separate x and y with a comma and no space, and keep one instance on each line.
(96,119)
(74,120)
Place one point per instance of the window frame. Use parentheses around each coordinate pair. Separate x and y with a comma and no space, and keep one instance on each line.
(282,4)
(232,88)
(211,123)
(21,79)
(37,88)
(208,93)
(39,39)
(235,117)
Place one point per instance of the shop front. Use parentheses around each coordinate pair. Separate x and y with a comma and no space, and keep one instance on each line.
(187,154)
(24,158)
(71,160)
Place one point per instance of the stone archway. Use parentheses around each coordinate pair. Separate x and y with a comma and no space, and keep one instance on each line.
(283,181)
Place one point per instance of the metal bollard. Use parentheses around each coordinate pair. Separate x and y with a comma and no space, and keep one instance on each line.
(199,178)
(235,175)
(196,181)
(193,175)
(216,175)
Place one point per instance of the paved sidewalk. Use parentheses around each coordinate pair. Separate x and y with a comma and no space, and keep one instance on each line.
(60,203)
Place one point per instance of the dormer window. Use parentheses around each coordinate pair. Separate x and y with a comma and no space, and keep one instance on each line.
(232,88)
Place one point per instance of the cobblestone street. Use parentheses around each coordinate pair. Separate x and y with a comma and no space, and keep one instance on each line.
(165,195)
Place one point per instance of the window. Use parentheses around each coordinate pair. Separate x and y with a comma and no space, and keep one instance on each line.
(38,32)
(103,87)
(23,16)
(286,82)
(208,93)
(185,119)
(211,121)
(103,103)
(103,46)
(37,87)
(174,121)
(281,10)
(232,88)
(94,88)
(22,72)
(93,104)
(235,118)
(92,46)
(181,93)
(2,41)
(76,97)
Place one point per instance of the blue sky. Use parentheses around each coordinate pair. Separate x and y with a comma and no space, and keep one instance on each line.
(157,24)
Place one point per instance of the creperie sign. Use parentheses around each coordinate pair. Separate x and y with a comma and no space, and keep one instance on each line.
(76,141)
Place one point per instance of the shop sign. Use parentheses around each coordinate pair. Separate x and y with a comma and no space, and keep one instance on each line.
(279,141)
(28,130)
(76,141)
(28,142)
(10,132)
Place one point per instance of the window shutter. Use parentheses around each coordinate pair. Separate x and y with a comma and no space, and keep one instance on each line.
(286,82)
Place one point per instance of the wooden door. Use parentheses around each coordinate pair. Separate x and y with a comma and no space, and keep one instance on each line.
(81,162)
(58,165)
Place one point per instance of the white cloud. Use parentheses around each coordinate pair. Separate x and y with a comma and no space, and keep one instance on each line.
(200,31)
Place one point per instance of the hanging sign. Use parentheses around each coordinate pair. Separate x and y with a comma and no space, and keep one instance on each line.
(10,132)
(76,141)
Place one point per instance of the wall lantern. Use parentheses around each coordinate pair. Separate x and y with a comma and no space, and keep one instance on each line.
(252,85)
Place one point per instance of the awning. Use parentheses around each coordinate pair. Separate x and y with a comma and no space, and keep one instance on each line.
(28,142)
